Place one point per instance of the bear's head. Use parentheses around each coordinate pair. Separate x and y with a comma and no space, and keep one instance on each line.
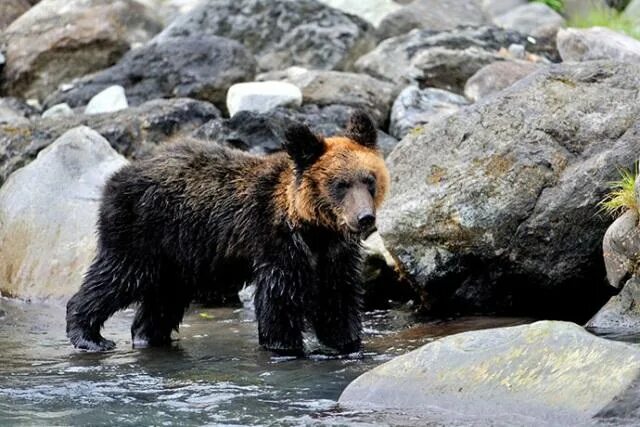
(340,181)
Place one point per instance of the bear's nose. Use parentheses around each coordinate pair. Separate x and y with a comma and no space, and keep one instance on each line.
(366,221)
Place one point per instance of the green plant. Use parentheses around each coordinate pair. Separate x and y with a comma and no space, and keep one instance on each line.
(622,195)
(557,5)
(608,18)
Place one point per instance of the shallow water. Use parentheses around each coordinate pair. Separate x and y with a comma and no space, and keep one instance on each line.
(216,374)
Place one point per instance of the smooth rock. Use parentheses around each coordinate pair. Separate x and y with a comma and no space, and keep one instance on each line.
(321,87)
(632,11)
(536,19)
(372,11)
(14,110)
(434,15)
(444,60)
(200,67)
(134,132)
(496,207)
(48,212)
(10,10)
(494,8)
(416,107)
(621,312)
(621,248)
(495,77)
(281,33)
(58,110)
(108,100)
(261,97)
(545,373)
(57,40)
(597,43)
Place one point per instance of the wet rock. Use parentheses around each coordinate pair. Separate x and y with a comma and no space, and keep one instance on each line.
(281,33)
(48,212)
(497,76)
(109,100)
(200,67)
(536,19)
(133,132)
(444,60)
(88,34)
(416,107)
(337,87)
(261,97)
(433,15)
(372,11)
(495,208)
(622,311)
(495,8)
(497,374)
(10,10)
(14,110)
(597,43)
(58,110)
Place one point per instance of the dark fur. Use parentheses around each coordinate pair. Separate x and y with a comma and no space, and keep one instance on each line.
(200,216)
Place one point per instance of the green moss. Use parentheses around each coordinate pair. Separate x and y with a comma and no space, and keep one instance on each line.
(622,195)
(557,5)
(608,18)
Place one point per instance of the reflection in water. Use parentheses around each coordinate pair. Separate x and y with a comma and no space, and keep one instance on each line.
(215,374)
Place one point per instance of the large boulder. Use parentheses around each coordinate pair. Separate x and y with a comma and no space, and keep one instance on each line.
(497,76)
(444,60)
(495,208)
(281,33)
(494,8)
(201,67)
(134,132)
(589,44)
(535,18)
(57,40)
(372,11)
(48,212)
(546,373)
(622,312)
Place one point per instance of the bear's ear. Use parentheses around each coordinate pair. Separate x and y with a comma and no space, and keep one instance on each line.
(302,146)
(362,130)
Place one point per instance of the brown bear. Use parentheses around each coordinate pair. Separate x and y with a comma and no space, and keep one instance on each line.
(199,215)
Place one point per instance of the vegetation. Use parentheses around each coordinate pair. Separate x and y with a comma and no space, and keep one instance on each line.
(608,18)
(557,5)
(622,195)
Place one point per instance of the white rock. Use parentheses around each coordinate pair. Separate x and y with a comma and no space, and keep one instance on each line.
(48,212)
(575,44)
(370,10)
(261,97)
(109,100)
(58,110)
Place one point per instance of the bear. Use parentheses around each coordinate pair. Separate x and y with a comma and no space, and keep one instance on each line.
(198,215)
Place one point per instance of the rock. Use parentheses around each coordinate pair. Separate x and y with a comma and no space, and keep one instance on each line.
(632,12)
(200,67)
(622,312)
(495,77)
(48,212)
(109,100)
(261,97)
(597,43)
(372,11)
(621,248)
(417,107)
(494,8)
(57,40)
(496,376)
(536,19)
(14,110)
(58,110)
(495,208)
(337,87)
(133,132)
(582,8)
(443,60)
(281,33)
(10,10)
(434,15)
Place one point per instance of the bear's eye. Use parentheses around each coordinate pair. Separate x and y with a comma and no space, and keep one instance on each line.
(340,188)
(370,182)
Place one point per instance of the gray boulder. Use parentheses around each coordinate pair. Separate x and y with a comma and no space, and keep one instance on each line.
(622,312)
(546,373)
(496,207)
(433,15)
(88,34)
(416,107)
(495,77)
(536,19)
(494,8)
(372,11)
(201,67)
(133,132)
(14,110)
(48,213)
(597,43)
(281,33)
(621,248)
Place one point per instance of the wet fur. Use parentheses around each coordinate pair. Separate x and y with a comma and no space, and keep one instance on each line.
(199,215)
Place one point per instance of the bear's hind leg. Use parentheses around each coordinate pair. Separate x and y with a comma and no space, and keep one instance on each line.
(157,315)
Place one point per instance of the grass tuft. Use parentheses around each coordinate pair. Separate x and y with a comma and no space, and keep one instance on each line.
(622,196)
(608,18)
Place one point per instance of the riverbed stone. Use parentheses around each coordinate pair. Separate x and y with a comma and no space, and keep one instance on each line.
(108,100)
(622,312)
(201,67)
(416,107)
(496,207)
(589,44)
(48,212)
(372,11)
(535,19)
(621,248)
(281,33)
(495,77)
(58,110)
(261,97)
(134,132)
(14,110)
(545,373)
(494,8)
(57,40)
